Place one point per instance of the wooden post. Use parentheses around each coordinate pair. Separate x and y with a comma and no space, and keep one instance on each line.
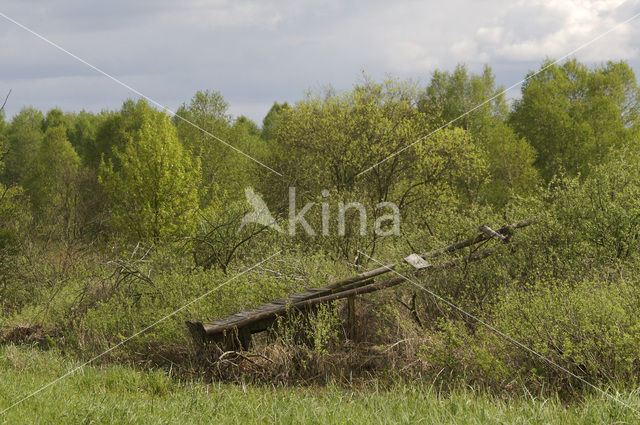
(244,338)
(351,317)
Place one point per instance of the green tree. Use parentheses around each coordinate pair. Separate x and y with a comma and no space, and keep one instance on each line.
(575,116)
(14,220)
(225,174)
(82,132)
(14,217)
(208,111)
(453,94)
(330,142)
(113,132)
(55,118)
(151,181)
(509,157)
(24,137)
(271,120)
(327,141)
(52,182)
(510,161)
(243,123)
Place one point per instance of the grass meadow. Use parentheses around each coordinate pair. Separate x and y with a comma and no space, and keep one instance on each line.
(123,395)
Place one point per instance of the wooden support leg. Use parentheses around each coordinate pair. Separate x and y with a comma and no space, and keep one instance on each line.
(235,339)
(351,318)
(244,337)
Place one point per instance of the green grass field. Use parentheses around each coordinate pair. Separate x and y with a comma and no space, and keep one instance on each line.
(121,395)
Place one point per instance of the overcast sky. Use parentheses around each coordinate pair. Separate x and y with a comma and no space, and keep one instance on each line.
(258,52)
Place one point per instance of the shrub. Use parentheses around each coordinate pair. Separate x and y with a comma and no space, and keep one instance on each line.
(590,327)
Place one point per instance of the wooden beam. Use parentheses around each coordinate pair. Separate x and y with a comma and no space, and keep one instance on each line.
(507,229)
(492,233)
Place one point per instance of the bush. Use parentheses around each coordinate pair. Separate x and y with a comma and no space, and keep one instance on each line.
(591,328)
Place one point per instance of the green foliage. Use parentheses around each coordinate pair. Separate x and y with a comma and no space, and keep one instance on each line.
(448,166)
(589,327)
(152,182)
(579,312)
(114,131)
(454,94)
(208,111)
(217,239)
(511,164)
(24,136)
(601,215)
(55,118)
(14,217)
(52,182)
(244,124)
(574,116)
(583,224)
(320,329)
(82,132)
(271,121)
(474,103)
(461,355)
(325,142)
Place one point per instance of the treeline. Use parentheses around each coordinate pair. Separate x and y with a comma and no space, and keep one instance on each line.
(138,174)
(91,201)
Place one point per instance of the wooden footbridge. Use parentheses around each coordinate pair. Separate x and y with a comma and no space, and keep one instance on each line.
(234,332)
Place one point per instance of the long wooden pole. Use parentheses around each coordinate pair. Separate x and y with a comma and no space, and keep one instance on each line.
(431,254)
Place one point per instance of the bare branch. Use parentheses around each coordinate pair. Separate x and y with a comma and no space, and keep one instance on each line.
(5,100)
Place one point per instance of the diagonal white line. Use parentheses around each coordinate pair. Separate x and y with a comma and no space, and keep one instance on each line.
(137,333)
(502,334)
(128,87)
(501,93)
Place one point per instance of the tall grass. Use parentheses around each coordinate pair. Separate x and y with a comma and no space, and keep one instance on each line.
(121,395)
